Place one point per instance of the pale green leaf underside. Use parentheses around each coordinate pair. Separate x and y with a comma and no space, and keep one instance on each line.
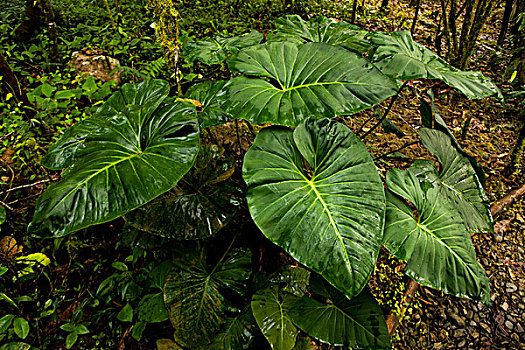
(398,55)
(331,222)
(134,157)
(457,180)
(270,309)
(437,247)
(310,80)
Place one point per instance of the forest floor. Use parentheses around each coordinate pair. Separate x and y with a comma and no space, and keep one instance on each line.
(433,320)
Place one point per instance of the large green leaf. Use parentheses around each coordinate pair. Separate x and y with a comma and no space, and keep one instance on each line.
(214,50)
(151,309)
(436,246)
(329,216)
(356,323)
(270,309)
(300,81)
(321,29)
(192,293)
(208,94)
(457,180)
(145,98)
(201,205)
(138,153)
(398,55)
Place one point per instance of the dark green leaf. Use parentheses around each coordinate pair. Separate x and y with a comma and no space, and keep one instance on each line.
(330,216)
(398,55)
(436,246)
(207,94)
(457,180)
(201,206)
(192,293)
(160,273)
(214,50)
(321,29)
(356,323)
(15,346)
(2,215)
(118,265)
(270,309)
(126,314)
(137,155)
(21,327)
(137,330)
(235,334)
(292,279)
(390,127)
(151,309)
(311,80)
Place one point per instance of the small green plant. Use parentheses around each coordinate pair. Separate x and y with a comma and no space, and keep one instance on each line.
(312,189)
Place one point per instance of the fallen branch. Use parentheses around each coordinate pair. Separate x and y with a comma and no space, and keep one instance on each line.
(392,320)
(503,203)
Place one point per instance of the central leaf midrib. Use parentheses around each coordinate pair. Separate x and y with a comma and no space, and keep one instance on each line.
(350,317)
(320,84)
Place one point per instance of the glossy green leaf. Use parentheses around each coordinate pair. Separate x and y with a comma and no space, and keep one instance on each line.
(291,279)
(356,323)
(126,313)
(398,55)
(138,154)
(215,50)
(151,309)
(71,339)
(2,215)
(310,80)
(15,346)
(5,322)
(144,98)
(321,29)
(192,293)
(138,329)
(235,334)
(457,180)
(201,205)
(208,94)
(270,309)
(21,327)
(436,246)
(328,216)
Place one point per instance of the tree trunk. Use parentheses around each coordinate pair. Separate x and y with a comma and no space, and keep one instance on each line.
(384,4)
(505,22)
(12,85)
(414,21)
(354,9)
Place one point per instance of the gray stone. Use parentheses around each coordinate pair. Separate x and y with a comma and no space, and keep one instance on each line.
(462,344)
(519,328)
(509,325)
(505,306)
(511,287)
(456,318)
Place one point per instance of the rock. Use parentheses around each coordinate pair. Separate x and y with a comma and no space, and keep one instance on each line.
(485,327)
(474,335)
(519,328)
(505,306)
(509,325)
(456,318)
(511,287)
(96,64)
(438,346)
(462,344)
(498,238)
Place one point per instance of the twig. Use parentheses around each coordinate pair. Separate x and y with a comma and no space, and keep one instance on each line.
(504,202)
(6,205)
(238,136)
(25,186)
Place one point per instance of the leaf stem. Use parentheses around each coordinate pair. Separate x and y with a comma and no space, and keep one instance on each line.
(394,99)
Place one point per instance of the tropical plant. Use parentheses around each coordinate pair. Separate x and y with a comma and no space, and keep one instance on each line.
(312,187)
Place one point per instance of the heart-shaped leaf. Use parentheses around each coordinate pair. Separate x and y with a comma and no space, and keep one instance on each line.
(398,55)
(329,216)
(436,246)
(270,309)
(151,309)
(214,50)
(356,323)
(202,205)
(193,297)
(235,333)
(321,29)
(136,154)
(457,180)
(310,80)
(207,93)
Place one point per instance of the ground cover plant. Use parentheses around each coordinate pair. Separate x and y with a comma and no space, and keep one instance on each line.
(147,167)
